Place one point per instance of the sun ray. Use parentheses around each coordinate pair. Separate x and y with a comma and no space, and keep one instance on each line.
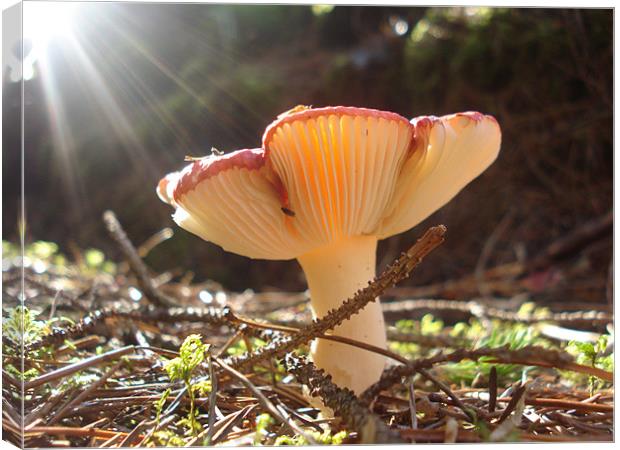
(221,116)
(120,122)
(62,140)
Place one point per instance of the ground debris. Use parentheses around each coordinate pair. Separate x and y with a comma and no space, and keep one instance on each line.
(97,366)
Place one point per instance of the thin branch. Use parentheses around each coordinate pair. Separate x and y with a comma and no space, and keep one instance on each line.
(412,406)
(75,367)
(473,307)
(563,404)
(345,404)
(78,432)
(156,239)
(492,389)
(135,262)
(329,337)
(84,394)
(212,400)
(444,387)
(528,356)
(162,423)
(519,391)
(150,314)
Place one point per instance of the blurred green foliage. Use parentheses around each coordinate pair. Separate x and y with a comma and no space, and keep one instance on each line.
(514,335)
(21,326)
(594,355)
(40,255)
(324,438)
(495,334)
(263,422)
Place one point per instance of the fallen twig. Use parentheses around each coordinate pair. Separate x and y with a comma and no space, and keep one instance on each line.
(512,403)
(444,387)
(212,400)
(74,431)
(473,307)
(210,315)
(427,436)
(529,356)
(135,262)
(564,404)
(84,394)
(75,367)
(344,403)
(492,389)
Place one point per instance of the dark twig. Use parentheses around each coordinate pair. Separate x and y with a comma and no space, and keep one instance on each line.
(412,407)
(220,428)
(162,423)
(473,307)
(488,247)
(345,404)
(212,400)
(300,417)
(492,389)
(444,387)
(561,249)
(133,434)
(564,404)
(154,241)
(60,335)
(512,404)
(574,241)
(135,262)
(229,422)
(529,356)
(150,314)
(329,337)
(421,436)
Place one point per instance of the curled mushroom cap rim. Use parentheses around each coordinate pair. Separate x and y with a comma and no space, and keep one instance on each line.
(210,166)
(313,113)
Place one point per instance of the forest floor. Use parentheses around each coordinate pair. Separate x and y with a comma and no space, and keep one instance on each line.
(117,356)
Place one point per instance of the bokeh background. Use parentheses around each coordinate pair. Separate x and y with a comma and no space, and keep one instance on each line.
(116,94)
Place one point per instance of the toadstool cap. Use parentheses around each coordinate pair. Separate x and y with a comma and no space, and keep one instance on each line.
(329,173)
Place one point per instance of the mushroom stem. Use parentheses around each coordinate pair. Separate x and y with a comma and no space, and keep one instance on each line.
(334,273)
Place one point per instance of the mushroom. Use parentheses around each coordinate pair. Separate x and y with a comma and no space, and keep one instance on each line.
(326,185)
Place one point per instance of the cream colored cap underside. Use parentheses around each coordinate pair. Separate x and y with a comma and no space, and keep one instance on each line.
(459,149)
(239,210)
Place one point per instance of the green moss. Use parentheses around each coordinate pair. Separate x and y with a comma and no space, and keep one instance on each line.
(593,355)
(325,438)
(514,335)
(191,354)
(21,326)
(263,422)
